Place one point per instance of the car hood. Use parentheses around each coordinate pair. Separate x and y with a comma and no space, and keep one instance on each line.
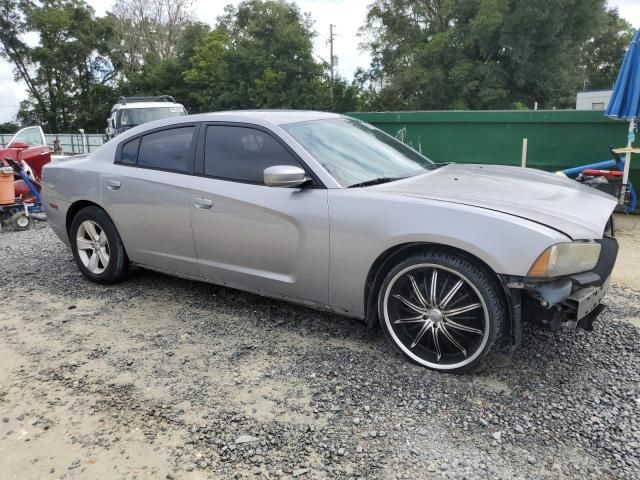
(576,210)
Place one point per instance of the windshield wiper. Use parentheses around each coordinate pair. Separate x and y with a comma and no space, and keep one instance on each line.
(375,181)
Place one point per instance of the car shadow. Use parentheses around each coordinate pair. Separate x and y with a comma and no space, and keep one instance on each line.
(541,352)
(542,356)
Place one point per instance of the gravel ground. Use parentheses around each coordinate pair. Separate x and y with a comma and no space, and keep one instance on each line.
(165,378)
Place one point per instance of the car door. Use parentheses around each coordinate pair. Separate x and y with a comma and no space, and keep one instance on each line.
(37,154)
(147,193)
(272,240)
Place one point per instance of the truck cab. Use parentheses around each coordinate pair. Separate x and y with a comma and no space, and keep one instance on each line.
(130,112)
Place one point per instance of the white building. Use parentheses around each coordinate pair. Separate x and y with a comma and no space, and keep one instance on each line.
(593,99)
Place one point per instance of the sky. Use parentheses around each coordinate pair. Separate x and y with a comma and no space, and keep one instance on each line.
(347,16)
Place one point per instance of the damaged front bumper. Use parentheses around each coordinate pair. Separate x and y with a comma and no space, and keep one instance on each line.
(562,303)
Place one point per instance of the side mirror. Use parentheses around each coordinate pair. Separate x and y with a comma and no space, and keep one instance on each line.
(18,145)
(284,176)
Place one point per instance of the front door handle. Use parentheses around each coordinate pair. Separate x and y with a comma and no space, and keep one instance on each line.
(203,203)
(113,185)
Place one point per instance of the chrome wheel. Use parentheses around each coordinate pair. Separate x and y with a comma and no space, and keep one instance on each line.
(436,316)
(93,247)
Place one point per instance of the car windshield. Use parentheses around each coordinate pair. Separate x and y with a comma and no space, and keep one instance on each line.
(356,153)
(130,117)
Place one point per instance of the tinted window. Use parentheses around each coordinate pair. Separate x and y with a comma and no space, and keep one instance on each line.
(130,152)
(130,117)
(240,153)
(167,150)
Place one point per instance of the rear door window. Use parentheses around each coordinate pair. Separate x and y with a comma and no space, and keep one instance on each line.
(167,150)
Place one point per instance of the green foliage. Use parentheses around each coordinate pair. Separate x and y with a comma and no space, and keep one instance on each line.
(165,77)
(260,55)
(602,55)
(147,31)
(209,72)
(426,54)
(489,54)
(67,72)
(9,127)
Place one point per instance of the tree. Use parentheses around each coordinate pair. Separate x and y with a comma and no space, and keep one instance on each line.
(14,49)
(164,77)
(260,55)
(67,74)
(9,127)
(484,54)
(148,30)
(602,54)
(209,72)
(544,65)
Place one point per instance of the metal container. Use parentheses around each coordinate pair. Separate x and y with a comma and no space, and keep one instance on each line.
(7,194)
(556,139)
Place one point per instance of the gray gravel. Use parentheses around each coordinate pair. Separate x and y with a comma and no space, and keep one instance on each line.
(165,378)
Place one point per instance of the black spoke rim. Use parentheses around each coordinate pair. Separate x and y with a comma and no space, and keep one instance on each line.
(436,316)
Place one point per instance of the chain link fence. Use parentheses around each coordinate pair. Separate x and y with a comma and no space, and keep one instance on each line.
(70,143)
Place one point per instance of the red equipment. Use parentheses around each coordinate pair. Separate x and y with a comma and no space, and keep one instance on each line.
(603,173)
(30,146)
(16,152)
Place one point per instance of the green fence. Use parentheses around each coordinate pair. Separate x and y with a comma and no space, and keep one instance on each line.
(556,139)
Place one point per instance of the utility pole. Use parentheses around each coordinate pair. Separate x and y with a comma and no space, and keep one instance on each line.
(331,36)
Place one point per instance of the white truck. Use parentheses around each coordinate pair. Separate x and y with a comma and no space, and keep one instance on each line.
(130,112)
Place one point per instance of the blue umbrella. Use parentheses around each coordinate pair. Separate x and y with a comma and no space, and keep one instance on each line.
(625,99)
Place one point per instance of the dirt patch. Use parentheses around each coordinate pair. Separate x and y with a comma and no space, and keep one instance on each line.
(164,378)
(627,269)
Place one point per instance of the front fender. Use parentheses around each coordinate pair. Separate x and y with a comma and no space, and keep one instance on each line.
(366,224)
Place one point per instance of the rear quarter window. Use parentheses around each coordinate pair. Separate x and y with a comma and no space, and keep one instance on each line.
(129,154)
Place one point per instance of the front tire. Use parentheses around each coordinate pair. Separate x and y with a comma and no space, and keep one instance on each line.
(442,310)
(97,247)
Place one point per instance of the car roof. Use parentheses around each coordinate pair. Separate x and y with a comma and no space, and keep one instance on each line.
(277,117)
(120,106)
(264,118)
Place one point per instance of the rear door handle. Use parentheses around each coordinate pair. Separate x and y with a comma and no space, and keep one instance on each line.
(44,153)
(113,185)
(203,203)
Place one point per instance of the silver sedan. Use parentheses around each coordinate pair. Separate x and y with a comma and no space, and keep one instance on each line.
(330,212)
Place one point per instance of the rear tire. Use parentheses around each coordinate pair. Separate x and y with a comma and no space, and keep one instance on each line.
(442,310)
(97,247)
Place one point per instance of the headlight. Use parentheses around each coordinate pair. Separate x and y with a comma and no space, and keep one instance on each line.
(566,259)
